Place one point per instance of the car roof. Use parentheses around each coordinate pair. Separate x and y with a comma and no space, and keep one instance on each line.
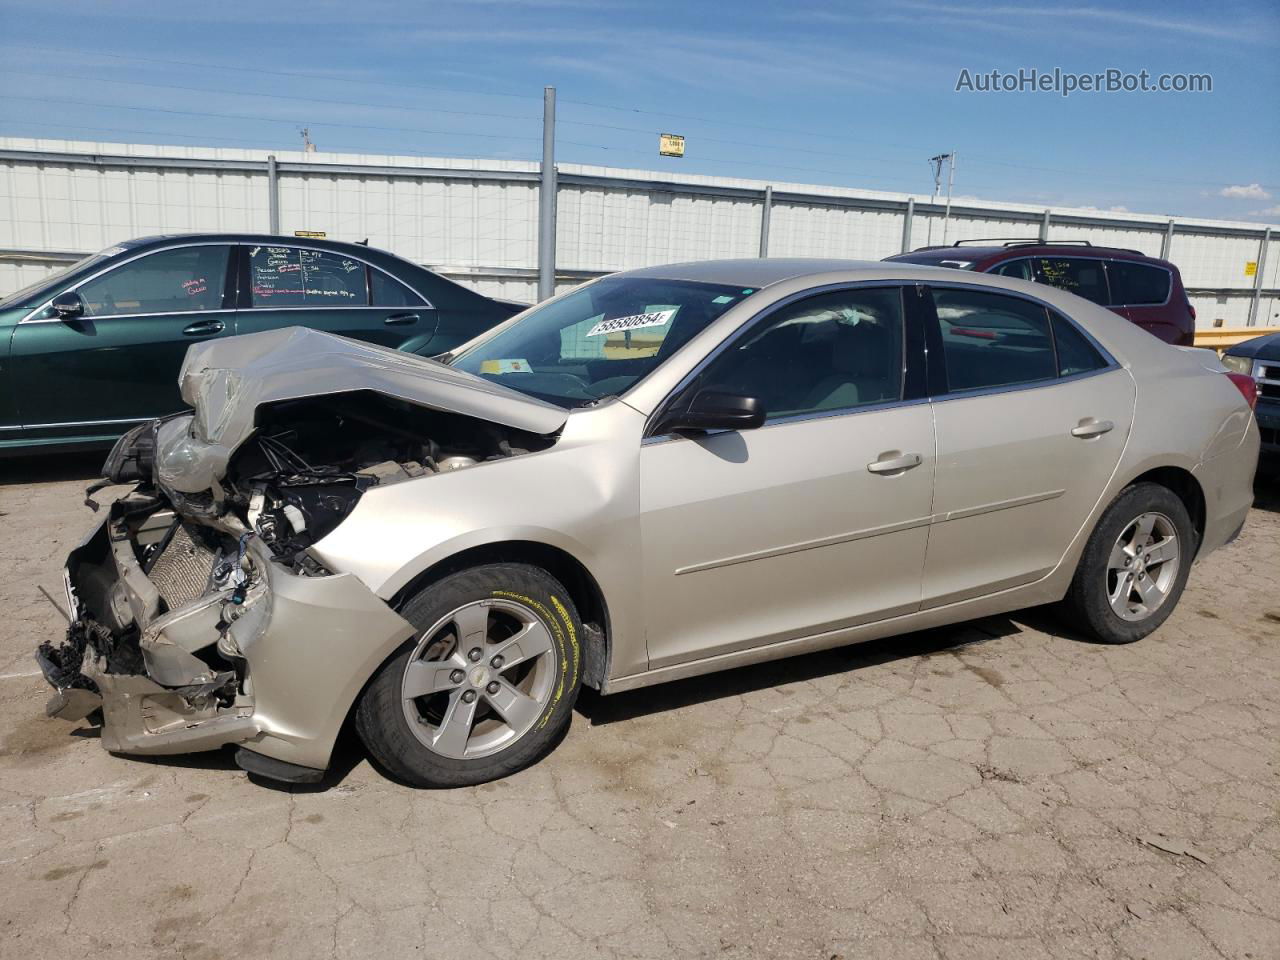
(754,272)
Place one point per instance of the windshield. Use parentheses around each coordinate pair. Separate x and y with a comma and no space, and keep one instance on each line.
(600,340)
(32,289)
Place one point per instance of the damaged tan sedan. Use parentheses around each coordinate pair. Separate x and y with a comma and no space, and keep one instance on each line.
(659,474)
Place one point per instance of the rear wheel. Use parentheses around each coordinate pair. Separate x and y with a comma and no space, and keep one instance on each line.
(1134,567)
(485,688)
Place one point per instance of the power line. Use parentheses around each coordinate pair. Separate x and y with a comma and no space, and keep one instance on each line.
(280,96)
(241,116)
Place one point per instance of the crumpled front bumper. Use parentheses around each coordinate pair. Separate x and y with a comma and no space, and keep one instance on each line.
(273,666)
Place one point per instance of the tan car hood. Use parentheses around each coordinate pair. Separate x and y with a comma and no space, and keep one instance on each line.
(225,381)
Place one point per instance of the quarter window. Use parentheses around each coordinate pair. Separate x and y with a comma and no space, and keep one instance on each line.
(387,292)
(293,277)
(1137,284)
(990,340)
(169,281)
(831,352)
(1084,278)
(1075,353)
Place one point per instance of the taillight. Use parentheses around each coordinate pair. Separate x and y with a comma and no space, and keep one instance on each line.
(1247,387)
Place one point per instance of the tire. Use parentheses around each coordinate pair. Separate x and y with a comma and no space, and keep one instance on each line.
(1100,600)
(414,716)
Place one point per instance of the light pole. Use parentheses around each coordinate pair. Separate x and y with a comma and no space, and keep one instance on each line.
(937,187)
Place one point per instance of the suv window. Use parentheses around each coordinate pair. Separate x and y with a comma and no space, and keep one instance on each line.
(1084,278)
(295,277)
(1136,284)
(168,281)
(829,352)
(385,291)
(990,340)
(1019,269)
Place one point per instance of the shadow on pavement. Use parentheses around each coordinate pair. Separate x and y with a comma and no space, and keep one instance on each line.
(51,468)
(735,682)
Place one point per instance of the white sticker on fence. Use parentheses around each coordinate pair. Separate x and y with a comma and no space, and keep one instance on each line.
(659,318)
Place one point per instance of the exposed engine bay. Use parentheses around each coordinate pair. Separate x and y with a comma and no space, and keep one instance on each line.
(172,586)
(309,461)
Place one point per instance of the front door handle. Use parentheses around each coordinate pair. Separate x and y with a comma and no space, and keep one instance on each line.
(891,461)
(1088,428)
(202,328)
(401,318)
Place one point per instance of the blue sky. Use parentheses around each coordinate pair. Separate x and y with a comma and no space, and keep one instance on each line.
(856,94)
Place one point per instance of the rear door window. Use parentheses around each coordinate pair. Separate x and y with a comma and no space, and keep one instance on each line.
(297,277)
(180,280)
(1137,284)
(992,340)
(1084,278)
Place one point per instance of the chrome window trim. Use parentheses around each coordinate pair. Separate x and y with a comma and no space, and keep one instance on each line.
(1105,261)
(78,423)
(1020,295)
(426,301)
(772,308)
(31,317)
(1110,365)
(134,316)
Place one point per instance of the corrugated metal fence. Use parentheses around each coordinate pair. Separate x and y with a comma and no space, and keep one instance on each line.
(477,220)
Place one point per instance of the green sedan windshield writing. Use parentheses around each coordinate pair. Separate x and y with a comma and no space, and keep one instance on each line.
(600,340)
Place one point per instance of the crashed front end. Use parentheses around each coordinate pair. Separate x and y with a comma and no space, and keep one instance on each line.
(200,616)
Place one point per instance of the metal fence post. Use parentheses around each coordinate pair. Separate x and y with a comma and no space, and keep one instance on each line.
(907,217)
(273,194)
(1167,243)
(1044,226)
(765,213)
(1257,277)
(547,199)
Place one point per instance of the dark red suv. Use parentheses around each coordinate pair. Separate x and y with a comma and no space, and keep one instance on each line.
(1142,289)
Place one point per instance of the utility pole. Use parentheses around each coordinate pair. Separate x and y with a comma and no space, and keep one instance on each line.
(307,145)
(936,162)
(547,199)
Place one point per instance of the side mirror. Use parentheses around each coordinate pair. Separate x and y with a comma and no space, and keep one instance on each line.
(715,410)
(68,305)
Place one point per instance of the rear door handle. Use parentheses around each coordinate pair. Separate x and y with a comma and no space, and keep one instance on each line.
(401,318)
(893,462)
(1089,428)
(203,328)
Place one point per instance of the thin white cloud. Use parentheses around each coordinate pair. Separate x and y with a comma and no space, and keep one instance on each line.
(1266,212)
(1076,14)
(1252,191)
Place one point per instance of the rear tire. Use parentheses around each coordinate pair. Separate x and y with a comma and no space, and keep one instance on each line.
(1134,567)
(485,688)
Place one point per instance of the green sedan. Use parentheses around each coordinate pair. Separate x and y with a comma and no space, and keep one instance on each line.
(94,350)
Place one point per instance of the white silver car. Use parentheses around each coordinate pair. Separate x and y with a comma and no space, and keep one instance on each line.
(658,474)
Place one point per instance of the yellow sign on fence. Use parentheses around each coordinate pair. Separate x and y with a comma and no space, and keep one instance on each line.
(1251,268)
(670,145)
(310,234)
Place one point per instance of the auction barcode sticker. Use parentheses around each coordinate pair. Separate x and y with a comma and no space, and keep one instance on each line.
(659,318)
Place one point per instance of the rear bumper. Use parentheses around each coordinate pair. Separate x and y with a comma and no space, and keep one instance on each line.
(272,663)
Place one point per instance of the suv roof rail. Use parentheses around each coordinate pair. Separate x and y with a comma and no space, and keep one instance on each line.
(1038,243)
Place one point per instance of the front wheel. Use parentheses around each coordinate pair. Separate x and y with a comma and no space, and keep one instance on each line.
(1134,566)
(485,688)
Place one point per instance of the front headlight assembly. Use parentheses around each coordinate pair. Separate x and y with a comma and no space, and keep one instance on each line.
(1238,364)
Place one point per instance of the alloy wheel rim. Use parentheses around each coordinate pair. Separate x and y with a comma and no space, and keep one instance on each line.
(479,679)
(1142,567)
